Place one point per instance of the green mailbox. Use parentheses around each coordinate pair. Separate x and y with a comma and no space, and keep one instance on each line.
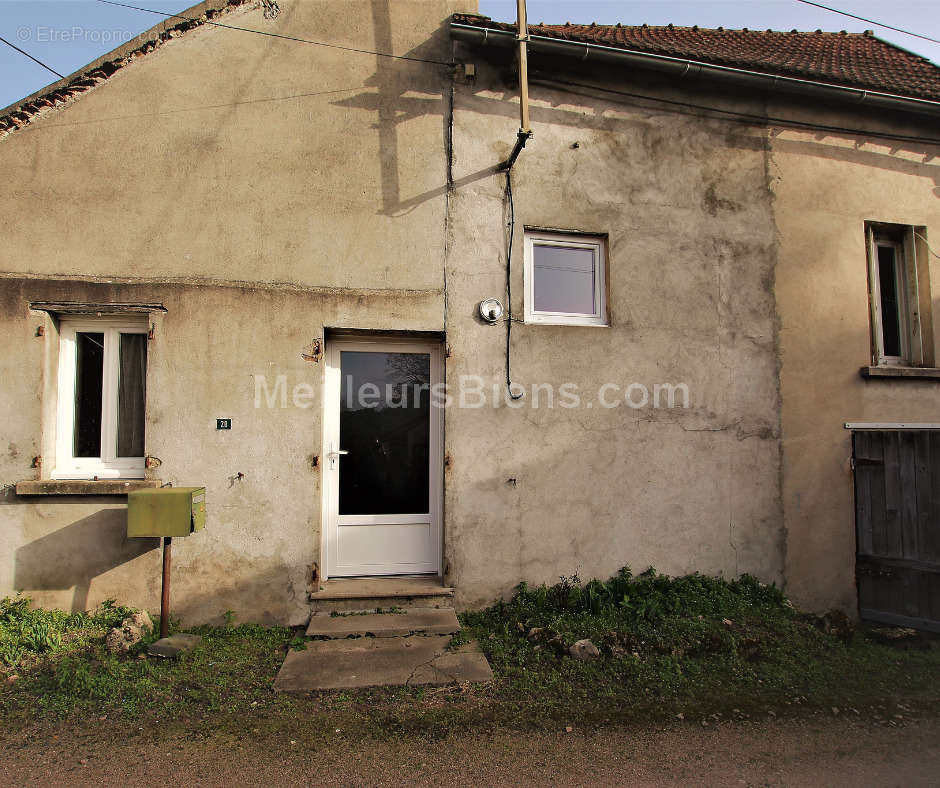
(166,511)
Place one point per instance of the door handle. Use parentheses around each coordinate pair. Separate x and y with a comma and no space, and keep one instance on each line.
(334,455)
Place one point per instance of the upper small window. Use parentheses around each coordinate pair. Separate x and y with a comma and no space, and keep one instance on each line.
(565,279)
(891,286)
(101,397)
(900,296)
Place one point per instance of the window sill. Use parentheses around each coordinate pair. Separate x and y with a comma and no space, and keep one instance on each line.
(83,487)
(916,373)
(538,320)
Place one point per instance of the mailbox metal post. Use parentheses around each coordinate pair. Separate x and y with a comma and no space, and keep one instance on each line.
(165,591)
(166,512)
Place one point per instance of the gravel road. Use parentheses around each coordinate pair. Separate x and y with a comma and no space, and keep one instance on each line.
(812,752)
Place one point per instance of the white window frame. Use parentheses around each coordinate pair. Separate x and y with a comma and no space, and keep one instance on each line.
(901,240)
(595,243)
(107,466)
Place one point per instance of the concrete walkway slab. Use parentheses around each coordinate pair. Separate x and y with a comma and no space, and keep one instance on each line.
(417,620)
(377,662)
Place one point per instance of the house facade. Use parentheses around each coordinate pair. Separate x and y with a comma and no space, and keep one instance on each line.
(268,267)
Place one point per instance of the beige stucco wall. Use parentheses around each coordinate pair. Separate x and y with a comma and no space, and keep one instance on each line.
(691,258)
(825,187)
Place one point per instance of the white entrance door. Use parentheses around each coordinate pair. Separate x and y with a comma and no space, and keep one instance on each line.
(382,467)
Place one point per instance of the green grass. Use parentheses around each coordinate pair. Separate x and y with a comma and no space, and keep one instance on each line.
(29,636)
(75,673)
(703,648)
(692,645)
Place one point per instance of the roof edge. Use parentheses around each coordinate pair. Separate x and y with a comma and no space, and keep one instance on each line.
(59,94)
(910,52)
(477,34)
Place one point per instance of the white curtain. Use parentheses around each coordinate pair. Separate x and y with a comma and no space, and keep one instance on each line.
(132,394)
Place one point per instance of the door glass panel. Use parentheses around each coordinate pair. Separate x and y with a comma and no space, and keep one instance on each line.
(385,425)
(89,369)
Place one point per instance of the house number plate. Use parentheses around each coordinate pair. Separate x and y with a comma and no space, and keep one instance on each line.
(223,424)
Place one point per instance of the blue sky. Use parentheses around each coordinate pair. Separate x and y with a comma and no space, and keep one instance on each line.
(67,34)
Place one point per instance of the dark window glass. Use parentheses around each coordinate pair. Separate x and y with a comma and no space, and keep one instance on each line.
(564,279)
(132,387)
(385,425)
(890,301)
(89,368)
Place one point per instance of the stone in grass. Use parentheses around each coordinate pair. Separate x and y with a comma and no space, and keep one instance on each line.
(899,637)
(121,639)
(174,645)
(140,619)
(584,650)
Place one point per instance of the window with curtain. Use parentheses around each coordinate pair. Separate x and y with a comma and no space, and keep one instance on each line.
(102,398)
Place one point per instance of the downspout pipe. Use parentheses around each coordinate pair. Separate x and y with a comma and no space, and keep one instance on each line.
(522,137)
(583,51)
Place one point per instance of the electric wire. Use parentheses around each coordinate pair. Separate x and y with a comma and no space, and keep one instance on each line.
(870,21)
(744,117)
(927,245)
(270,34)
(509,320)
(35,60)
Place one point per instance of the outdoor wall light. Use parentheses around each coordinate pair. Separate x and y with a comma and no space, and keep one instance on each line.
(491,310)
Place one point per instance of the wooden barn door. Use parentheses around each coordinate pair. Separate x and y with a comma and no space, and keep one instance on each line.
(897,515)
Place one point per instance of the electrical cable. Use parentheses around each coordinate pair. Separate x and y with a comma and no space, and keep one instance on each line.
(35,60)
(276,35)
(870,21)
(744,117)
(509,319)
(927,245)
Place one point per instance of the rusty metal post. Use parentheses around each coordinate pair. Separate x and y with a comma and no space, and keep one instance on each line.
(165,594)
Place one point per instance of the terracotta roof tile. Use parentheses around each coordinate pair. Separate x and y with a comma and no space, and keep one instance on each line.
(853,59)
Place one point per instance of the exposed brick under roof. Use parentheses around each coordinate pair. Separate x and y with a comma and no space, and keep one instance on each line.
(857,60)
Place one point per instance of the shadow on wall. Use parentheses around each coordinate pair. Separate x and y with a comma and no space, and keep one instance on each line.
(392,108)
(391,100)
(256,591)
(890,162)
(75,555)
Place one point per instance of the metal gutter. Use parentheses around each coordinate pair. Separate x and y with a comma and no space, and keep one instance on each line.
(482,36)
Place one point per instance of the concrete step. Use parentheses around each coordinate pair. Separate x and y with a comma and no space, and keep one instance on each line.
(377,662)
(410,621)
(344,595)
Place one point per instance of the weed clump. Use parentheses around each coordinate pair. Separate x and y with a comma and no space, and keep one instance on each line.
(680,643)
(646,614)
(27,635)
